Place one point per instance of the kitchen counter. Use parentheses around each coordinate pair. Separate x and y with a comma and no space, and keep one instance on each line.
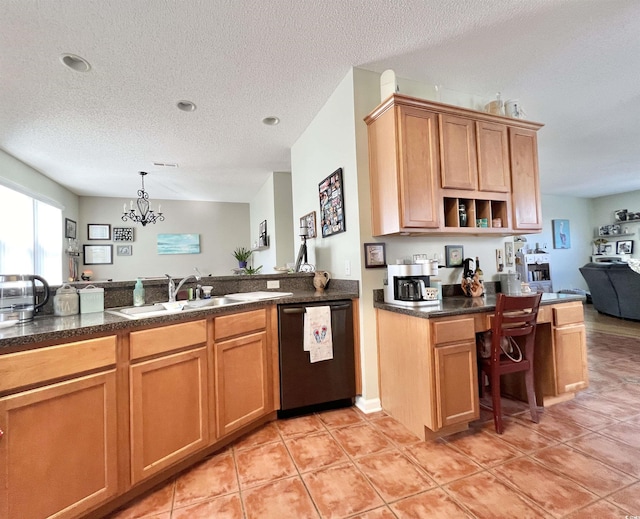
(461,305)
(48,328)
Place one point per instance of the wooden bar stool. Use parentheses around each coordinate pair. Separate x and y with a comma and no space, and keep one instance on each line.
(515,317)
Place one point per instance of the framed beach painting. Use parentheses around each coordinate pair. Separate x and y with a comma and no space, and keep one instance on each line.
(178,244)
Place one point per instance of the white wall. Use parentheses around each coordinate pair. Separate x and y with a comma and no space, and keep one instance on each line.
(222,228)
(326,145)
(273,203)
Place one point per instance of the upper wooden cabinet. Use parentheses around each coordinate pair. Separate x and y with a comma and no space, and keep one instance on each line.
(404,170)
(426,159)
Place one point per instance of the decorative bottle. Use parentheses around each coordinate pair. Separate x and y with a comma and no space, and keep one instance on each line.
(138,293)
(462,211)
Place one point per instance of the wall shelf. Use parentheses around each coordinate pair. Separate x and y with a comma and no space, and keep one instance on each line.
(605,236)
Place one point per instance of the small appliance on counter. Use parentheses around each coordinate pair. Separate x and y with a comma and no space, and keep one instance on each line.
(18,298)
(409,284)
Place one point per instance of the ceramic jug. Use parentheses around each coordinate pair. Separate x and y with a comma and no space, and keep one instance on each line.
(321,280)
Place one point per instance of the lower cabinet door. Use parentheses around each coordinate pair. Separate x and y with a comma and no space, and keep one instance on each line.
(58,450)
(169,411)
(456,378)
(571,358)
(241,382)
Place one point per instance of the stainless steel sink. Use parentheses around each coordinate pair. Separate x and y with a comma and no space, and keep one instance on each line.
(141,312)
(213,301)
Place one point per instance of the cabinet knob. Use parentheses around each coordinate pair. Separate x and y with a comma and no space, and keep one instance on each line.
(1,433)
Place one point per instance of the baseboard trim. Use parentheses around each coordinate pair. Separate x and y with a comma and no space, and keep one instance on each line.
(368,406)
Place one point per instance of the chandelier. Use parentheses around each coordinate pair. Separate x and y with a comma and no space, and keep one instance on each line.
(146,214)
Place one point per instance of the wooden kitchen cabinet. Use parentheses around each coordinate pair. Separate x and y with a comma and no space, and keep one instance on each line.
(58,452)
(456,371)
(169,404)
(570,348)
(428,373)
(404,169)
(525,186)
(420,172)
(242,370)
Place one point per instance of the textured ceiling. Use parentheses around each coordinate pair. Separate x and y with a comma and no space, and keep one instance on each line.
(574,65)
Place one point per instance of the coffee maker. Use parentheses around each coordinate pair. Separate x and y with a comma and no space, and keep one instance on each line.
(407,284)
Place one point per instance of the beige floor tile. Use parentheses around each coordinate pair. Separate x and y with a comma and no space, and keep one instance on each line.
(264,463)
(378,513)
(611,452)
(268,433)
(628,499)
(315,451)
(441,462)
(599,510)
(341,491)
(213,477)
(393,475)
(589,472)
(556,428)
(608,406)
(340,417)
(307,424)
(488,498)
(225,507)
(156,502)
(625,432)
(571,411)
(548,490)
(522,437)
(482,447)
(360,440)
(279,500)
(395,431)
(433,504)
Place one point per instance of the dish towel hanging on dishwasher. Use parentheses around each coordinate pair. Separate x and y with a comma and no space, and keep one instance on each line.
(318,340)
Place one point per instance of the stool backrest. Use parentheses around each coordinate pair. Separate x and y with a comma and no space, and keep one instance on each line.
(515,317)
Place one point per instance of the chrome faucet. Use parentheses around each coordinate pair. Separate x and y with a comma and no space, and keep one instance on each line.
(173,290)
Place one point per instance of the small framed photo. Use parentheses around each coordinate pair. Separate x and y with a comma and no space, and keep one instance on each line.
(624,247)
(98,254)
(124,250)
(99,231)
(70,228)
(309,221)
(375,255)
(123,234)
(454,255)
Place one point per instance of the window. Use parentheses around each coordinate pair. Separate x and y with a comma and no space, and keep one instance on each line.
(30,236)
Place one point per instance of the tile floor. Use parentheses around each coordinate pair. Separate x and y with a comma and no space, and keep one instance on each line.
(581,461)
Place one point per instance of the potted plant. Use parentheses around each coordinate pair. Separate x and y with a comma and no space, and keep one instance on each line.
(251,271)
(242,255)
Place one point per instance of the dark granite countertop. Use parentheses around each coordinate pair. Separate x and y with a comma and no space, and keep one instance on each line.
(50,329)
(461,305)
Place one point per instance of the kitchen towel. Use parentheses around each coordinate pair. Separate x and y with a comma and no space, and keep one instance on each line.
(318,339)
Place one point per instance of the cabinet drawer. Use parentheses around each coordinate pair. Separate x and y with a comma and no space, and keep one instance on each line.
(569,313)
(34,366)
(544,314)
(453,331)
(239,324)
(167,338)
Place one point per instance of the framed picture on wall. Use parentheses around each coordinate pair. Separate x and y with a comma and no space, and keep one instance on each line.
(624,247)
(331,195)
(99,231)
(374,255)
(454,255)
(70,228)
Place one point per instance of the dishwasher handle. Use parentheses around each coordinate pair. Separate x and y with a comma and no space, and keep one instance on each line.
(302,310)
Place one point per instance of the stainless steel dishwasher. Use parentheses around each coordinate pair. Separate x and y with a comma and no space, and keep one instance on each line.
(303,383)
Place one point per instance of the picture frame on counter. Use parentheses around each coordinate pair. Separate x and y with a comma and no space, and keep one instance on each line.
(454,255)
(70,228)
(98,254)
(624,247)
(99,231)
(309,221)
(375,255)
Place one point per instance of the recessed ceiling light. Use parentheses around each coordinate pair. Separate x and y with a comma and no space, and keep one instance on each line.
(186,106)
(166,164)
(75,62)
(271,121)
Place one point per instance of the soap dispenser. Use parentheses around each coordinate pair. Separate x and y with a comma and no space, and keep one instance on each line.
(138,293)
